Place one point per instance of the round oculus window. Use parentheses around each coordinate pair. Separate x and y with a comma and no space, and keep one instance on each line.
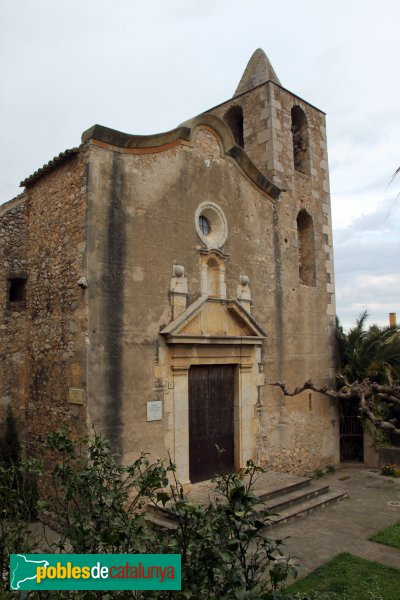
(211,225)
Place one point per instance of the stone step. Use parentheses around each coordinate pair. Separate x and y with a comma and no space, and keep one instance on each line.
(303,508)
(298,496)
(153,509)
(284,496)
(289,508)
(163,520)
(267,493)
(287,494)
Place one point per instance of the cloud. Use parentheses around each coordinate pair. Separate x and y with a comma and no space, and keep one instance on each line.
(367,269)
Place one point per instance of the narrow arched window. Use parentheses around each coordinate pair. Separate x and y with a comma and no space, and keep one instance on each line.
(301,144)
(306,246)
(234,118)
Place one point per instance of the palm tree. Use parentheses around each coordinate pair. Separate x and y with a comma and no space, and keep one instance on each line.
(372,353)
(397,171)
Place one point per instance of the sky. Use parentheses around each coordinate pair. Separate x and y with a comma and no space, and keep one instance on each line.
(144,67)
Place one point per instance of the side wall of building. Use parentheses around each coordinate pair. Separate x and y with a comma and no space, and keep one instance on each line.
(56,247)
(13,315)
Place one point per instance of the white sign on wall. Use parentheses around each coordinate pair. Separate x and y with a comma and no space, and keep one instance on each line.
(154,410)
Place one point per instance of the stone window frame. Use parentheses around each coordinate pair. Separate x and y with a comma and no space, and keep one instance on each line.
(215,261)
(218,233)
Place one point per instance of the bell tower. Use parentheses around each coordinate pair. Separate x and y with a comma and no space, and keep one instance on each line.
(285,137)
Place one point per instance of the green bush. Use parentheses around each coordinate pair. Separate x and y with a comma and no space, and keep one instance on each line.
(95,503)
(18,498)
(318,473)
(225,552)
(390,471)
(100,506)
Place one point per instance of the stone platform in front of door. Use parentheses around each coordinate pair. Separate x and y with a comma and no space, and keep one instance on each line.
(284,496)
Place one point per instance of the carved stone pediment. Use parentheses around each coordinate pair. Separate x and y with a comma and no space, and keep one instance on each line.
(214,321)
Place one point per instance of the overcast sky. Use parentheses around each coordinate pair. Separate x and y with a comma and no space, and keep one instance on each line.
(144,67)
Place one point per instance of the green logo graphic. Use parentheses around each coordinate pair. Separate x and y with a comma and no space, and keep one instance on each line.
(24,570)
(95,572)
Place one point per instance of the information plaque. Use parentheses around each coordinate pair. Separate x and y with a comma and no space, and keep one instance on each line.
(154,410)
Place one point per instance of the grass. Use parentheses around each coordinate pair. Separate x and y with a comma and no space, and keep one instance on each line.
(389,536)
(348,577)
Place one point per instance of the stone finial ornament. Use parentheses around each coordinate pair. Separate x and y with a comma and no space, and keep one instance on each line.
(178,291)
(243,293)
(178,271)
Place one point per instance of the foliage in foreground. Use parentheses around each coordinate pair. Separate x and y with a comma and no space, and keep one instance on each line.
(223,543)
(390,471)
(348,577)
(100,506)
(18,497)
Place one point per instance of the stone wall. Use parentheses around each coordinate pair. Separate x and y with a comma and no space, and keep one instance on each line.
(389,456)
(309,311)
(56,244)
(13,313)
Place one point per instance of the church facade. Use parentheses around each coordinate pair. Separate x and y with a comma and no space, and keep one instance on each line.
(154,285)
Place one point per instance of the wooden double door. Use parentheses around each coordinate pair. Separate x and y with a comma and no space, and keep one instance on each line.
(211,423)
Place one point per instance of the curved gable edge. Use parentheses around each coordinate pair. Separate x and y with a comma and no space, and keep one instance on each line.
(127,140)
(236,152)
(242,158)
(185,132)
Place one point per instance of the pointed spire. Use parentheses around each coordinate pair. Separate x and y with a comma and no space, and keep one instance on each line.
(258,70)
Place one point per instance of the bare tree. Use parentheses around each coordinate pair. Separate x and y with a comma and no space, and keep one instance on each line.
(367,393)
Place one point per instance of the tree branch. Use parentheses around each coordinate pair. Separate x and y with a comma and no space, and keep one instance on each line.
(308,385)
(364,392)
(388,398)
(378,423)
(393,391)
